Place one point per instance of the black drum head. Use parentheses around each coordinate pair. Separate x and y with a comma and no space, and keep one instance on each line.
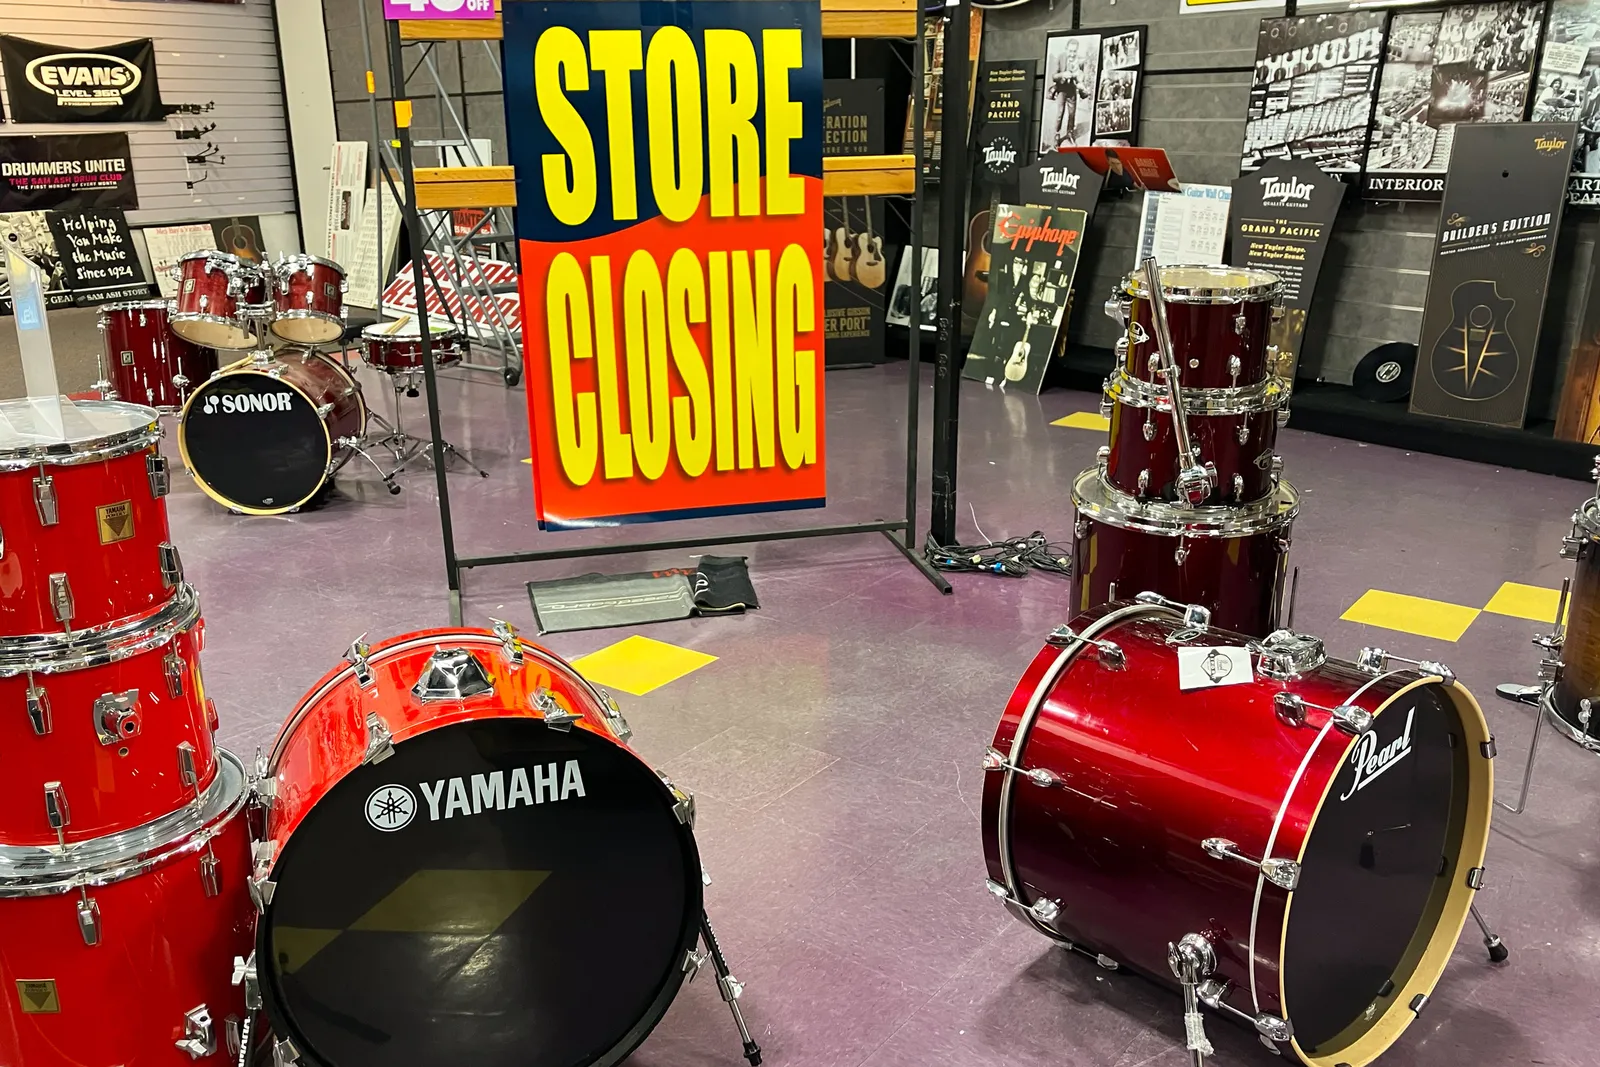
(1380,862)
(495,893)
(1385,374)
(255,442)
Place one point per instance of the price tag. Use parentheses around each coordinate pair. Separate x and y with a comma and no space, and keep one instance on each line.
(438,9)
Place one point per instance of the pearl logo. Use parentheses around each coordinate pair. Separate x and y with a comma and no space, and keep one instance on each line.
(391,808)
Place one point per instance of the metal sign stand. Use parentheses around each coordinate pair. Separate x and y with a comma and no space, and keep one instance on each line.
(901,532)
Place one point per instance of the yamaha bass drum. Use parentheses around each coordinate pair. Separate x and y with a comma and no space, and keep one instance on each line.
(1293,840)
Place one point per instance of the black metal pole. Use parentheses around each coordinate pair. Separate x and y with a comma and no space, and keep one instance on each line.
(408,208)
(952,204)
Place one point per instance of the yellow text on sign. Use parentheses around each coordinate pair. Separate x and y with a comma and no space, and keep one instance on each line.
(700,111)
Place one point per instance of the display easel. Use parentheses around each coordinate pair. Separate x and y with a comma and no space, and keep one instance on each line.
(894,175)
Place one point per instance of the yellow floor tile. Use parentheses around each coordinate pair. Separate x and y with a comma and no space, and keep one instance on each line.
(1084,420)
(1532,602)
(1411,615)
(639,664)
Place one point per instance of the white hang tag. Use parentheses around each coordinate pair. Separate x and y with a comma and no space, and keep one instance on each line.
(1205,667)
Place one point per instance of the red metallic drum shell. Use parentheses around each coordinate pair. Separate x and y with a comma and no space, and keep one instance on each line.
(166,948)
(109,582)
(204,311)
(309,294)
(405,353)
(1239,578)
(1216,437)
(1204,337)
(143,355)
(108,787)
(325,738)
(1152,771)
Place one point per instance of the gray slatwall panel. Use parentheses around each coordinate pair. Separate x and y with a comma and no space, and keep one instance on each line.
(203,52)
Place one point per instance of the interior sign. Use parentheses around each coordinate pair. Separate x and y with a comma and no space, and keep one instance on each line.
(669,173)
(68,83)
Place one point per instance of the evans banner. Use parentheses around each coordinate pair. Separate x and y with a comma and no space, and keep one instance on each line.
(73,83)
(669,214)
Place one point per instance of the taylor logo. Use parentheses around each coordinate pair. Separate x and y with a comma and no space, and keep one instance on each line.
(391,807)
(227,404)
(1549,145)
(84,79)
(999,154)
(1276,192)
(1370,761)
(1058,181)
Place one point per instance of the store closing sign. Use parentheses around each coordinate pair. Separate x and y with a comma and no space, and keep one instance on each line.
(669,212)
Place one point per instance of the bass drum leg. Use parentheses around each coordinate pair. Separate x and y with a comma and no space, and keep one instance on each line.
(729,986)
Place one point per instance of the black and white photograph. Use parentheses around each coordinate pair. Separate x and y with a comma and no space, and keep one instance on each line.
(1469,63)
(1113,111)
(1121,51)
(1029,285)
(1311,97)
(1568,90)
(900,299)
(1071,72)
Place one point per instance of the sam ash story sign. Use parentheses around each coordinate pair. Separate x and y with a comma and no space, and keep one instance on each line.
(669,174)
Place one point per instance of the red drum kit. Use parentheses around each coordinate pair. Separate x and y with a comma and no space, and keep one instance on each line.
(422,829)
(1187,499)
(144,361)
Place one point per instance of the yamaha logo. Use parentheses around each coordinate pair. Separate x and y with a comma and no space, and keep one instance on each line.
(391,807)
(79,79)
(228,404)
(1276,192)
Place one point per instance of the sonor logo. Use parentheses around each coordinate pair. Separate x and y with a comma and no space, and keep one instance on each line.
(84,78)
(1280,193)
(1548,145)
(1370,761)
(449,797)
(247,402)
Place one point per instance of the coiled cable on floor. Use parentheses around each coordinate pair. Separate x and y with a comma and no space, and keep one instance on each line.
(1016,557)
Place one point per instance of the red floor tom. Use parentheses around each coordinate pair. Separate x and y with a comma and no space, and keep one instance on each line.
(212,289)
(397,346)
(264,435)
(120,950)
(1233,560)
(1310,832)
(309,293)
(1220,318)
(1235,430)
(86,543)
(145,362)
(113,730)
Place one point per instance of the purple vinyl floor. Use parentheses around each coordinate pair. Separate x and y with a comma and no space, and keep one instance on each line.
(834,745)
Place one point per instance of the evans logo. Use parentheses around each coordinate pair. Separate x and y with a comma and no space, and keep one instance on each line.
(227,404)
(1370,761)
(84,77)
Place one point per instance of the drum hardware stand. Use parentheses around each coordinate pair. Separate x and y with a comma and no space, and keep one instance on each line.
(729,986)
(1196,480)
(406,447)
(1537,696)
(1193,961)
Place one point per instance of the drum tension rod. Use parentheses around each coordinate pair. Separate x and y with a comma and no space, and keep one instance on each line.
(1273,1029)
(44,499)
(1043,910)
(1111,656)
(1280,872)
(1376,661)
(1195,616)
(1040,776)
(1291,708)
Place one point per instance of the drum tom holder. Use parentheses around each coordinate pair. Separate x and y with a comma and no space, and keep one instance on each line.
(1195,480)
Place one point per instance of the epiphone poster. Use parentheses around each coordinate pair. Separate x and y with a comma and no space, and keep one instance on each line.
(66,171)
(1282,220)
(1035,254)
(1005,99)
(97,257)
(1491,271)
(81,83)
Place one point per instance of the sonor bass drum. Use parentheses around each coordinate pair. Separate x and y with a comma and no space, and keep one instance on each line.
(1295,840)
(464,863)
(264,435)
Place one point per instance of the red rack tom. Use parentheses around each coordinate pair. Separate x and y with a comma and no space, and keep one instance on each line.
(309,294)
(1310,833)
(145,362)
(213,288)
(121,950)
(112,731)
(1219,317)
(85,536)
(1232,560)
(397,346)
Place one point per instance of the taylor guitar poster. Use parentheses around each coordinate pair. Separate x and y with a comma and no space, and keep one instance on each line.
(1282,220)
(1491,270)
(669,220)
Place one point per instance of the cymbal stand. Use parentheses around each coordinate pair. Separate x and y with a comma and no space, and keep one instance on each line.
(407,447)
(729,986)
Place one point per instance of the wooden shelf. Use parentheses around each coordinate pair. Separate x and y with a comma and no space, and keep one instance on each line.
(840,18)
(442,188)
(867,175)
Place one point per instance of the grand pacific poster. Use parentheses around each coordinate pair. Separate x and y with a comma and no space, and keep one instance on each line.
(669,191)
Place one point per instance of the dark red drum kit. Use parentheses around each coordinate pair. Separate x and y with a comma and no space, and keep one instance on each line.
(1292,840)
(396,347)
(144,361)
(309,296)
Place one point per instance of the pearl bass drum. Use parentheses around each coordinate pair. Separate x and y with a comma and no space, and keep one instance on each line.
(1294,840)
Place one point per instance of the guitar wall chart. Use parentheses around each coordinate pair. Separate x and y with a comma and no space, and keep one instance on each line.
(1491,270)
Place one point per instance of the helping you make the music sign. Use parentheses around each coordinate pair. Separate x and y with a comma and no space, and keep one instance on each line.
(669,189)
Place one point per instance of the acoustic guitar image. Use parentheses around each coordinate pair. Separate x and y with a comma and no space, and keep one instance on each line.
(240,240)
(827,252)
(839,262)
(975,279)
(1017,365)
(867,264)
(1474,358)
